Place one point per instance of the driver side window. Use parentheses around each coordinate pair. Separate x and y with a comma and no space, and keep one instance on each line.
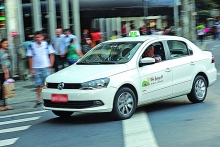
(156,51)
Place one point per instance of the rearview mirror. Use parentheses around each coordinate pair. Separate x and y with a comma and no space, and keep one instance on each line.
(146,61)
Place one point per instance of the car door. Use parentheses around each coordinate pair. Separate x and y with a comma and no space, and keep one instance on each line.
(156,79)
(182,63)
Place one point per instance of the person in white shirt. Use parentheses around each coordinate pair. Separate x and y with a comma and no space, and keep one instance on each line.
(200,33)
(41,58)
(56,42)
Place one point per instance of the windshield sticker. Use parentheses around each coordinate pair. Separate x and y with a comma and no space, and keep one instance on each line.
(152,81)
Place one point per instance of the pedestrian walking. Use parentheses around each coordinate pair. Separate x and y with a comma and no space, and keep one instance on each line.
(4,71)
(41,58)
(23,60)
(218,29)
(115,35)
(65,42)
(96,37)
(56,42)
(73,53)
(85,34)
(86,45)
(123,30)
(200,33)
(153,31)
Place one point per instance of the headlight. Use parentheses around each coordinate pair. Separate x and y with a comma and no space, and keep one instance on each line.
(95,84)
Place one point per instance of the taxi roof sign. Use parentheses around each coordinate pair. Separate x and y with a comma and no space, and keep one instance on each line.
(134,34)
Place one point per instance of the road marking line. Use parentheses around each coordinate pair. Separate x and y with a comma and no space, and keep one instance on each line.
(13,115)
(218,73)
(137,131)
(8,141)
(217,46)
(14,129)
(19,120)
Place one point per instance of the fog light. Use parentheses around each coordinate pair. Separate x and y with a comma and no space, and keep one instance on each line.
(98,103)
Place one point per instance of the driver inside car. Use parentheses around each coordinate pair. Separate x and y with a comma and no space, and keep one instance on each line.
(149,52)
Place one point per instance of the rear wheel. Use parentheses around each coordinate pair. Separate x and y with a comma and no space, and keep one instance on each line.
(63,113)
(199,90)
(124,104)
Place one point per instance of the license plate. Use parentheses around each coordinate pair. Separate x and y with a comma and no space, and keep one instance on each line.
(59,98)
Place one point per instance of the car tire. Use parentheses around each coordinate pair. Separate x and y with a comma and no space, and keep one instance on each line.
(63,113)
(124,104)
(199,90)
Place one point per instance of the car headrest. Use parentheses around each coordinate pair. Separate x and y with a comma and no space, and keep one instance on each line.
(157,49)
(125,51)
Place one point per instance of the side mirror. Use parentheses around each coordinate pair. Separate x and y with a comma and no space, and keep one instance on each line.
(146,61)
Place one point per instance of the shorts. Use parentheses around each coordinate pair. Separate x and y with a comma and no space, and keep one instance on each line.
(40,75)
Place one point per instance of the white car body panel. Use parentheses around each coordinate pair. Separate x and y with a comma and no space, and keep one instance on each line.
(83,73)
(167,79)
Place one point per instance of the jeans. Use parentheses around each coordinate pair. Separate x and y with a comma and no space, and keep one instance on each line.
(71,61)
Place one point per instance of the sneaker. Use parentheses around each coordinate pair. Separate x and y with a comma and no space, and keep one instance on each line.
(38,104)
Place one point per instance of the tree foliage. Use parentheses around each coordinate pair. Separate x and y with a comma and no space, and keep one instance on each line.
(204,7)
(207,4)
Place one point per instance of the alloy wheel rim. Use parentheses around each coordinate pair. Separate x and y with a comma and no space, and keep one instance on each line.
(125,103)
(200,89)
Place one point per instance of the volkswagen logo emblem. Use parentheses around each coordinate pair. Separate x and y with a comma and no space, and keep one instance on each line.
(60,86)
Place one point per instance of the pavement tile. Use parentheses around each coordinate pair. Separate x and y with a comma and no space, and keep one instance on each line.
(24,99)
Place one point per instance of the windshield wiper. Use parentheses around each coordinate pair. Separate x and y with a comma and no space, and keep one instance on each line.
(81,63)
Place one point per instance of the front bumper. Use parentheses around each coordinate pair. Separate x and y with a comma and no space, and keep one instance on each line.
(81,100)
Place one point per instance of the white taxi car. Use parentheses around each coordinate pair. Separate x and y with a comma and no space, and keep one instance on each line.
(115,76)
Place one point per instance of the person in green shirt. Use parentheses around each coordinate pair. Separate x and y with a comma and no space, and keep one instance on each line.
(73,54)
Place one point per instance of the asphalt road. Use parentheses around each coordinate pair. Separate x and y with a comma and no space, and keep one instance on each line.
(170,123)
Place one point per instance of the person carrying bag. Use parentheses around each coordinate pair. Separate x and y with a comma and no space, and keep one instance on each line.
(4,72)
(9,88)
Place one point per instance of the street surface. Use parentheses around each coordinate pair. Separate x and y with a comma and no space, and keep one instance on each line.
(171,123)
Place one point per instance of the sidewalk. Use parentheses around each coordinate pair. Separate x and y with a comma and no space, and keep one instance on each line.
(24,100)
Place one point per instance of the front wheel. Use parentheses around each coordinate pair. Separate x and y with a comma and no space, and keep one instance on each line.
(199,90)
(124,104)
(63,113)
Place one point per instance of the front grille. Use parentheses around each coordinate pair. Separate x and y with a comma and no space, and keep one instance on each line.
(71,104)
(66,85)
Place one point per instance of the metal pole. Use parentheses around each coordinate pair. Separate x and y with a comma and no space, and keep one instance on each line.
(51,5)
(193,21)
(65,13)
(176,16)
(12,25)
(145,3)
(185,19)
(20,20)
(36,8)
(76,18)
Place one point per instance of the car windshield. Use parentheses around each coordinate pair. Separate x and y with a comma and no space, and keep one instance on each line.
(111,53)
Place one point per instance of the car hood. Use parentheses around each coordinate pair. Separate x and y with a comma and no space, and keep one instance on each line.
(84,73)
